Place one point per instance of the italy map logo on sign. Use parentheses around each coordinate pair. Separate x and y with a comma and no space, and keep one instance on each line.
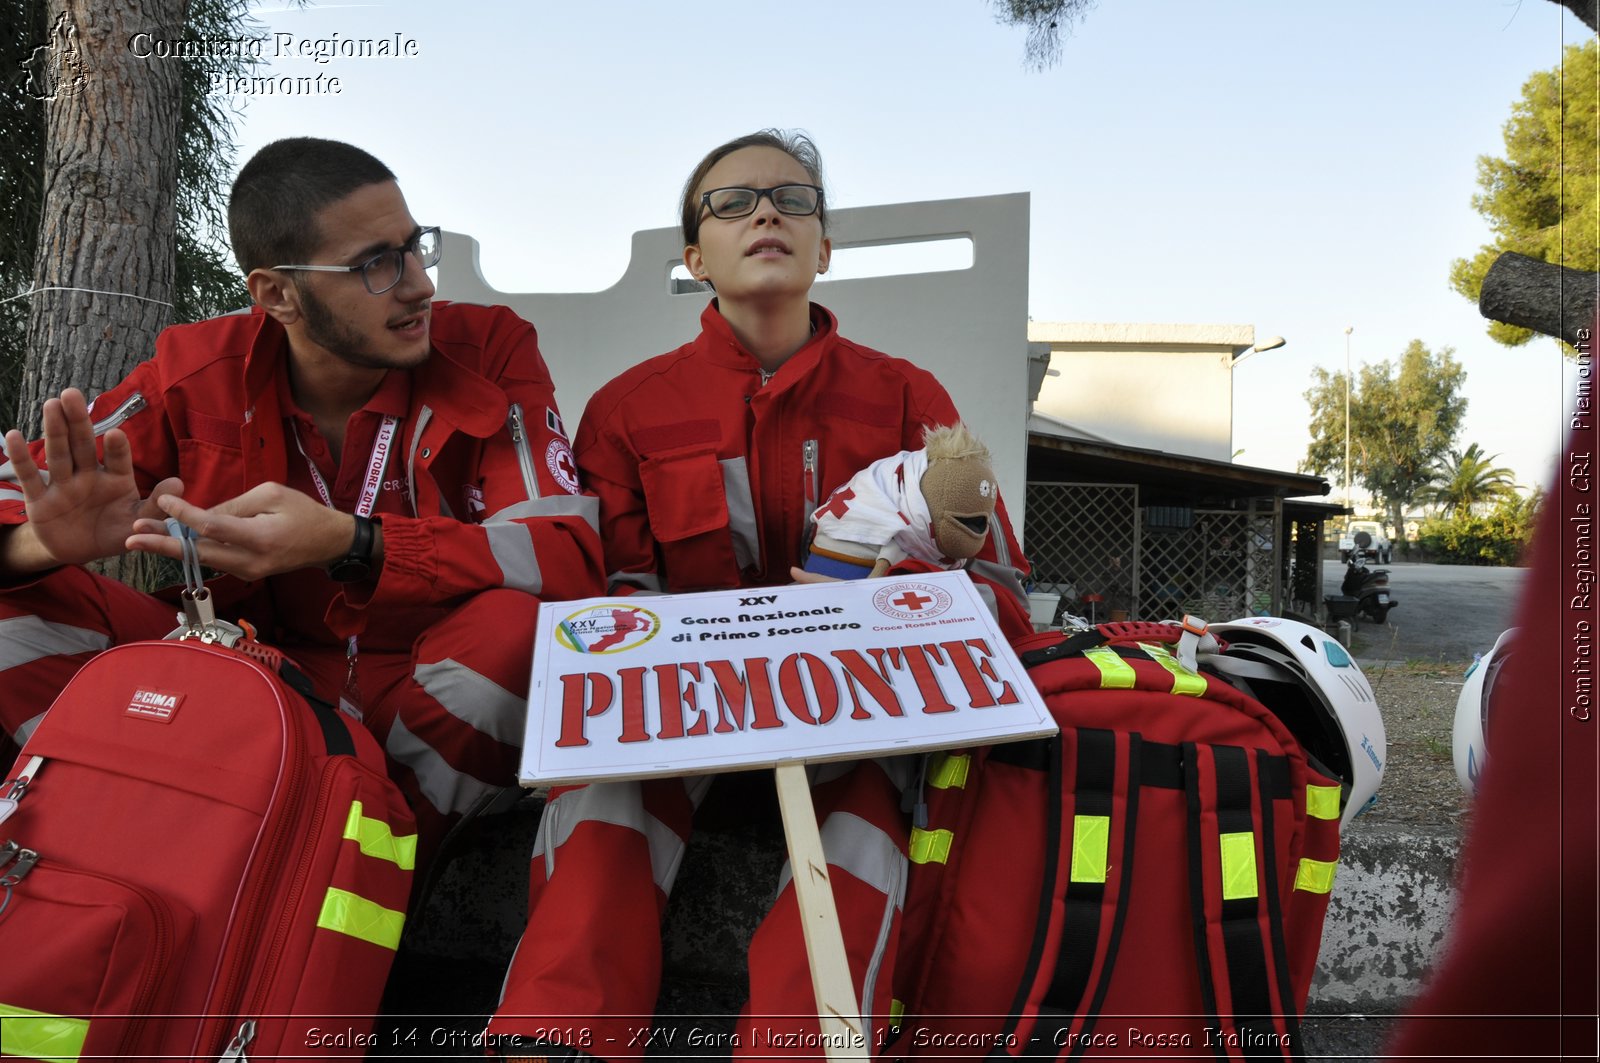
(912,601)
(608,628)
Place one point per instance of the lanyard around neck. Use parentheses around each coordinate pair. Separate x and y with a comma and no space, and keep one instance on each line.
(373,482)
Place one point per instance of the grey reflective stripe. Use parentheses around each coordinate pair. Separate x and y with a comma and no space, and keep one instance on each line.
(852,844)
(423,417)
(25,639)
(25,732)
(997,535)
(741,512)
(620,804)
(585,506)
(513,552)
(901,771)
(894,897)
(986,593)
(829,770)
(443,787)
(1005,576)
(648,582)
(475,699)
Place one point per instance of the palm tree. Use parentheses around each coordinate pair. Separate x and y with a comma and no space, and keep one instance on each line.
(1466,479)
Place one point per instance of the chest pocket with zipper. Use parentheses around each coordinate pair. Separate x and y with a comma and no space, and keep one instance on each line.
(688,509)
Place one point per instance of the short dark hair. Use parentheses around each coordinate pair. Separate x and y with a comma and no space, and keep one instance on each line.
(796,144)
(277,196)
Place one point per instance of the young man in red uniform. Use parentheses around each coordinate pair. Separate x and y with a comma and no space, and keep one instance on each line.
(708,462)
(385,479)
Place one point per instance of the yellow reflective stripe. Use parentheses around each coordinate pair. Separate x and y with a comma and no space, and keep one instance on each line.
(1322,802)
(948,770)
(377,839)
(40,1035)
(1190,684)
(1090,837)
(930,846)
(346,913)
(1115,673)
(1315,876)
(897,1012)
(1238,866)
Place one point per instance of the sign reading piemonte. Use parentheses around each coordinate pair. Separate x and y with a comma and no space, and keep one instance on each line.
(684,684)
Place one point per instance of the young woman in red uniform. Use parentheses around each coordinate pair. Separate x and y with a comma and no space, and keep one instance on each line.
(708,461)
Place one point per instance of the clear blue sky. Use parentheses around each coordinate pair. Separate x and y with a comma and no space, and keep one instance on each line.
(1298,167)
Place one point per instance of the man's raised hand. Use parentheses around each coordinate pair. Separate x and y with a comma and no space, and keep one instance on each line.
(84,509)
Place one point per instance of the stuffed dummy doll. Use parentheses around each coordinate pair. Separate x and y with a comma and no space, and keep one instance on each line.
(931,504)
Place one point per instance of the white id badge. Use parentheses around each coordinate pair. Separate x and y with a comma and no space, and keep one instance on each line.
(8,805)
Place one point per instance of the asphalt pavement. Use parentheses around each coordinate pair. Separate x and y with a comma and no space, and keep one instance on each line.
(1445,613)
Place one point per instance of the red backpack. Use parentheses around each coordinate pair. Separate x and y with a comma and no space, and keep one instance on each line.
(199,862)
(1151,881)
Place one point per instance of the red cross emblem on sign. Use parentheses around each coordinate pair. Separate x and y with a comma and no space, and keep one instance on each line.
(911,600)
(838,503)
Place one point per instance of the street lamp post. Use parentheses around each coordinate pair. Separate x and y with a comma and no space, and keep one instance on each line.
(1347,330)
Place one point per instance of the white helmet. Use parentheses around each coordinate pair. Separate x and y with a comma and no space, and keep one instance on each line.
(1468,745)
(1314,686)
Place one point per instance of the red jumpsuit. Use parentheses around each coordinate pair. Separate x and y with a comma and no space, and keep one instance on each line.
(1517,974)
(707,469)
(481,519)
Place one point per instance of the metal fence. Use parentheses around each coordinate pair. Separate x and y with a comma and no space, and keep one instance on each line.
(1109,557)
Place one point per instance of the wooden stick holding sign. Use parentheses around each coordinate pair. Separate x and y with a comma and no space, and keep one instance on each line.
(689,684)
(843,1033)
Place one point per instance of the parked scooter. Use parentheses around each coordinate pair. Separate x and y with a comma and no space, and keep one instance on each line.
(1369,587)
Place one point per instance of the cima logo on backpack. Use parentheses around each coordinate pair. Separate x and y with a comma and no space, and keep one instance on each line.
(1152,881)
(197,863)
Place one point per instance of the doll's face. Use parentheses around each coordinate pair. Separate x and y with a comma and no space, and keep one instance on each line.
(961,495)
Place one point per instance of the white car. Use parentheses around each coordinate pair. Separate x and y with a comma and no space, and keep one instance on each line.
(1376,546)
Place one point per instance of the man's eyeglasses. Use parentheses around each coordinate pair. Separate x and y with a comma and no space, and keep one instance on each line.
(797,201)
(383,270)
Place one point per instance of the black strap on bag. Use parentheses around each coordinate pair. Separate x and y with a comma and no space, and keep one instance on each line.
(1119,914)
(334,733)
(1244,958)
(1273,773)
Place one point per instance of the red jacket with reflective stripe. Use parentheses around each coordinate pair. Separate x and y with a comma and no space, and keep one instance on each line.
(206,409)
(701,466)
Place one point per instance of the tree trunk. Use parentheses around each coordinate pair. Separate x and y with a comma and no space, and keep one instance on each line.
(110,192)
(109,221)
(1547,298)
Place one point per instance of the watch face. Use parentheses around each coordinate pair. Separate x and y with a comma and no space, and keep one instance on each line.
(349,570)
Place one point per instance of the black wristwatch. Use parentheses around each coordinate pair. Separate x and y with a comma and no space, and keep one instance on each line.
(356,565)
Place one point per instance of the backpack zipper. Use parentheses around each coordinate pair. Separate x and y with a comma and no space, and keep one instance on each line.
(275,944)
(153,967)
(234,1053)
(224,1001)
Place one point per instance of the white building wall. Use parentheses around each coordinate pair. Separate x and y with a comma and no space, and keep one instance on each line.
(1164,387)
